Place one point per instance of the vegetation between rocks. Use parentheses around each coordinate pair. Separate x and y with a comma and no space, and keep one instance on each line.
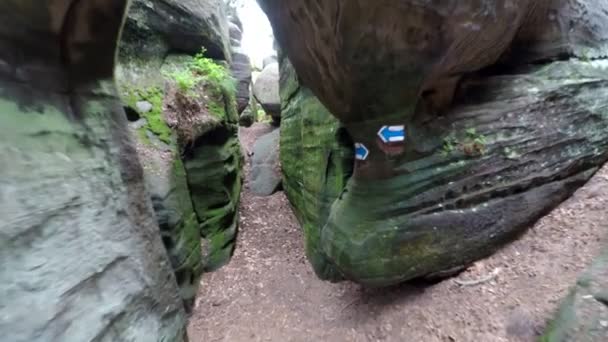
(202,70)
(471,144)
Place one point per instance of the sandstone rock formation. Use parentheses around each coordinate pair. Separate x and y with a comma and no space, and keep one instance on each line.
(82,257)
(156,27)
(241,68)
(436,183)
(188,145)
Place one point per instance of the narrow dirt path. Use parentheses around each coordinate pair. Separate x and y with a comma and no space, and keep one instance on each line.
(270,293)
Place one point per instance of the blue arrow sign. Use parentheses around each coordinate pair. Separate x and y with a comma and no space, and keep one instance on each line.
(391,134)
(361,152)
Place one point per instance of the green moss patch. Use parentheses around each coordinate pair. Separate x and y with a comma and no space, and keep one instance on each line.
(155,121)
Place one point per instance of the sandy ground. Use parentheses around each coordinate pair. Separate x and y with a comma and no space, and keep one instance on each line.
(270,293)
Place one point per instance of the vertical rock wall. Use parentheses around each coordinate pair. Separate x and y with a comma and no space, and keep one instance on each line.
(316,159)
(188,139)
(431,189)
(82,258)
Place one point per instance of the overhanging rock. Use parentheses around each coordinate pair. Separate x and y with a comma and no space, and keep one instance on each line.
(437,183)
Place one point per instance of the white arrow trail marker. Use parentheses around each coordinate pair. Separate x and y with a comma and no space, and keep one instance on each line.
(361,152)
(391,134)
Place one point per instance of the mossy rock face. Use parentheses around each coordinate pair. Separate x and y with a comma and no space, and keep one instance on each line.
(316,163)
(544,134)
(82,257)
(213,165)
(583,316)
(512,146)
(158,55)
(189,146)
(167,185)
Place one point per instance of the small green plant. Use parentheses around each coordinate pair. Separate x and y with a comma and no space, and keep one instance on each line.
(261,115)
(472,144)
(475,137)
(449,144)
(216,75)
(184,79)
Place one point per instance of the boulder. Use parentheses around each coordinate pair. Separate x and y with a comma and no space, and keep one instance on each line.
(265,165)
(349,63)
(266,91)
(82,257)
(154,27)
(241,71)
(442,175)
(583,316)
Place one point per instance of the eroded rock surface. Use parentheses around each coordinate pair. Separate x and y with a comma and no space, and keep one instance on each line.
(462,176)
(240,67)
(381,68)
(189,147)
(82,257)
(156,27)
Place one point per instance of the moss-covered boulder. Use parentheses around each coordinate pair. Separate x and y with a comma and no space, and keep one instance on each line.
(82,257)
(433,190)
(583,316)
(166,182)
(247,118)
(316,159)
